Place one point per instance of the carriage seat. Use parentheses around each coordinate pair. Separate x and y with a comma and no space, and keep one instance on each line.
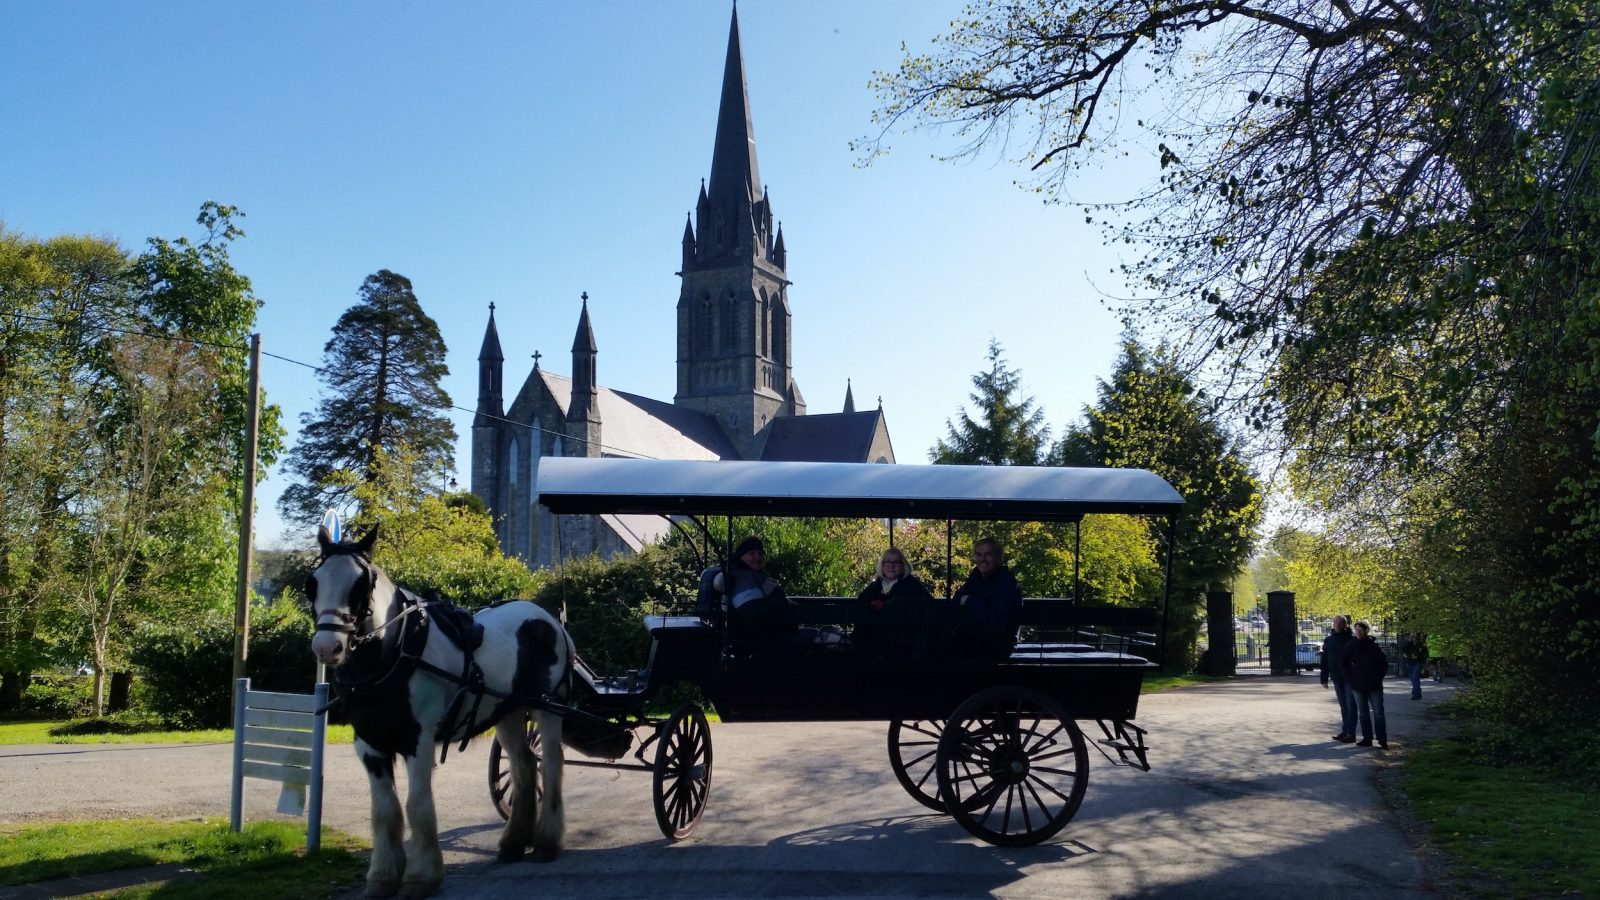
(708,600)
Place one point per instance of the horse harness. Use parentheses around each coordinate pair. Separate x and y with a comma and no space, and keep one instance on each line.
(403,655)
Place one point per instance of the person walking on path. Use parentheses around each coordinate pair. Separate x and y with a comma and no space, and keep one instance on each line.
(1414,650)
(1364,666)
(1333,647)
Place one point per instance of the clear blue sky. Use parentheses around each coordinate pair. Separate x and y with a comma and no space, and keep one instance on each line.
(523,153)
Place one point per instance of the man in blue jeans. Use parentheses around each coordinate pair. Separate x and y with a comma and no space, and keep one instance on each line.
(1332,655)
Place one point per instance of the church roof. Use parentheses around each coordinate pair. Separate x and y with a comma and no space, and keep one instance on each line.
(825,437)
(640,426)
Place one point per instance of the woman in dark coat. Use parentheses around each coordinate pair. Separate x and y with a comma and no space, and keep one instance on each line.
(893,613)
(1364,665)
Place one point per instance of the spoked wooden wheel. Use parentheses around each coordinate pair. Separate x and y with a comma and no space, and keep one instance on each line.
(501,790)
(682,779)
(1012,766)
(913,752)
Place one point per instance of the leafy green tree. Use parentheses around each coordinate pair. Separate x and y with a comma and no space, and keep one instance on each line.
(123,407)
(381,370)
(1379,222)
(1009,429)
(1150,416)
(428,542)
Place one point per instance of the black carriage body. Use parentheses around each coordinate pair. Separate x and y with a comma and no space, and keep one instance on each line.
(1089,683)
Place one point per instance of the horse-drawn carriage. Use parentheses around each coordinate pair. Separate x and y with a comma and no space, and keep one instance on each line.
(994,743)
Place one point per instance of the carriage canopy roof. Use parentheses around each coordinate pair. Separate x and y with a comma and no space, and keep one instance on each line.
(1032,493)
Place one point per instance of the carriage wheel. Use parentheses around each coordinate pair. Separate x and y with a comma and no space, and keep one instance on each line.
(1012,766)
(913,754)
(501,790)
(683,772)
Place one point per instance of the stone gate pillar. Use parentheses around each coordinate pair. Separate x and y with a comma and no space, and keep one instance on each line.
(1283,631)
(1221,653)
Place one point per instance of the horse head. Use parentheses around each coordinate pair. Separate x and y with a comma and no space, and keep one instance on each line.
(340,590)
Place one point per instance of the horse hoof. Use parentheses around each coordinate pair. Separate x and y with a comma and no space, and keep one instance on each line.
(382,888)
(510,854)
(415,890)
(545,854)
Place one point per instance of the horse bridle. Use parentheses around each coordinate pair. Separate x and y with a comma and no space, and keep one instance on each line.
(347,620)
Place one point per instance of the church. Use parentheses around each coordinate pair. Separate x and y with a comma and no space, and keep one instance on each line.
(736,393)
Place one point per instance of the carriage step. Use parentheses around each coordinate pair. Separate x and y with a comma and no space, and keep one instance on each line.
(1127,739)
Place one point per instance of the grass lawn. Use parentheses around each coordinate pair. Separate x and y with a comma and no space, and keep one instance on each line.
(264,861)
(1154,684)
(85,731)
(1510,830)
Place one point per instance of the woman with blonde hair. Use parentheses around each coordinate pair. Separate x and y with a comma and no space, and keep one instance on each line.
(894,612)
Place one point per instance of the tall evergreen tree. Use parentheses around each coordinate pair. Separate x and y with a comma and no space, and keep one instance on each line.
(381,369)
(1149,416)
(1009,428)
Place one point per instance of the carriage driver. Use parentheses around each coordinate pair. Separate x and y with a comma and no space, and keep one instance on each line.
(986,607)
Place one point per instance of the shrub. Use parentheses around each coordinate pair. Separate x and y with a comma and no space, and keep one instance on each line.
(605,602)
(59,696)
(187,670)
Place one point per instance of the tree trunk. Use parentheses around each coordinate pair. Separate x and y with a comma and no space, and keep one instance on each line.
(121,685)
(12,686)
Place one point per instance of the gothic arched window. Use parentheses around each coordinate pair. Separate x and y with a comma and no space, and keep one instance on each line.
(780,333)
(730,325)
(702,326)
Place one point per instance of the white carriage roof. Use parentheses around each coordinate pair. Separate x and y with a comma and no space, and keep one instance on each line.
(586,485)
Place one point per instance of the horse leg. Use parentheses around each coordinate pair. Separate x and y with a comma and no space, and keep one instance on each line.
(547,831)
(424,862)
(388,827)
(512,733)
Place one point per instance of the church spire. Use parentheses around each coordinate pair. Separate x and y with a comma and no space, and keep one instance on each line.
(733,157)
(583,412)
(491,366)
(849,398)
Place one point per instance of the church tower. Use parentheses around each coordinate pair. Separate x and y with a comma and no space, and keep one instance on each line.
(734,328)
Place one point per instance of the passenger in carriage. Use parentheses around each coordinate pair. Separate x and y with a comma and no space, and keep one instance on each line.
(759,613)
(894,612)
(987,607)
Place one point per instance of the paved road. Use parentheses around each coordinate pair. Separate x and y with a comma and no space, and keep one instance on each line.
(1248,798)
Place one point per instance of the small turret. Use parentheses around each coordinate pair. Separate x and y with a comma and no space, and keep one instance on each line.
(688,243)
(583,414)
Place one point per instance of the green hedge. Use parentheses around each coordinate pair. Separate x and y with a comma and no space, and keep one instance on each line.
(187,671)
(59,696)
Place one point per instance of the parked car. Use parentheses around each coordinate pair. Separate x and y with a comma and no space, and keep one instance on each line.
(1308,656)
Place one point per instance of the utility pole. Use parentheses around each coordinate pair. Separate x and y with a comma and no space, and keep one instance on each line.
(247,515)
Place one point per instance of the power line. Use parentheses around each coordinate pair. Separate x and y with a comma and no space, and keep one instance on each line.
(128,329)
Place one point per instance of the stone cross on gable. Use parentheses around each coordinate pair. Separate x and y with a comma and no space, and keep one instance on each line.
(536,355)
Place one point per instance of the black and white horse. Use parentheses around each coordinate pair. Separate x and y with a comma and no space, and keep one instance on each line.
(404,670)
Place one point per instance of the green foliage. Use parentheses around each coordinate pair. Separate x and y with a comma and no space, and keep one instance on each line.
(433,545)
(603,602)
(122,401)
(1332,577)
(187,668)
(1377,226)
(59,696)
(1150,416)
(381,372)
(1008,431)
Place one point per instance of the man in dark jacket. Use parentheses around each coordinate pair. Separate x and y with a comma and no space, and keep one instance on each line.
(987,606)
(1364,665)
(1333,647)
